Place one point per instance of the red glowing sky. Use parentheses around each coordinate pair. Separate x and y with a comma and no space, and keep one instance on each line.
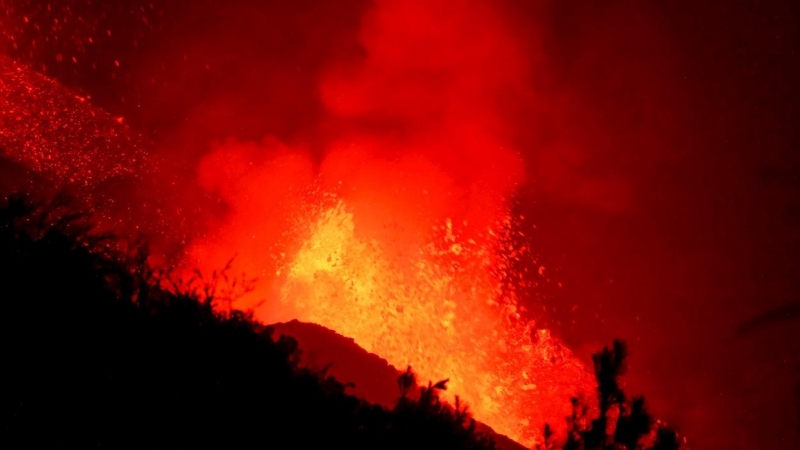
(657,141)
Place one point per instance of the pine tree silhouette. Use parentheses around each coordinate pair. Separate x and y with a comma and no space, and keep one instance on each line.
(620,425)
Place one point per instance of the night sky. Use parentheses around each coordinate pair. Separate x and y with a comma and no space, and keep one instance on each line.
(659,142)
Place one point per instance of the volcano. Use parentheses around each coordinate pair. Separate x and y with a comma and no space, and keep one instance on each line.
(333,246)
(488,192)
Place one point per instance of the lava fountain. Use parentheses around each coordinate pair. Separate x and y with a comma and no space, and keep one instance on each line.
(448,309)
(400,235)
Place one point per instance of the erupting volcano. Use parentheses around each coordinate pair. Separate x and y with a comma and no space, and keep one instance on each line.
(448,309)
(376,168)
(402,236)
(442,301)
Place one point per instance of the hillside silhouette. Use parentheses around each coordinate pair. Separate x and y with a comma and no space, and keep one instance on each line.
(372,378)
(96,354)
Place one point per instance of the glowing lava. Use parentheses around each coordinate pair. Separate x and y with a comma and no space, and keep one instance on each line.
(413,257)
(448,309)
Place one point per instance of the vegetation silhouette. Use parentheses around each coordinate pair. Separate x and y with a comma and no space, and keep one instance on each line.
(96,352)
(620,425)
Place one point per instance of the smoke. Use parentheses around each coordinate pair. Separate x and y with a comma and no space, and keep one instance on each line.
(412,133)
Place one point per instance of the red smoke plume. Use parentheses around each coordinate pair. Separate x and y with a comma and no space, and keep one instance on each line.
(402,235)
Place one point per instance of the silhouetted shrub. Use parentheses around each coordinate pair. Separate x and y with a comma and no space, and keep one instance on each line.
(620,425)
(439,421)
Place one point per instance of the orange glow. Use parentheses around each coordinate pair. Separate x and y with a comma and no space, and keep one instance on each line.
(396,230)
(393,254)
(447,308)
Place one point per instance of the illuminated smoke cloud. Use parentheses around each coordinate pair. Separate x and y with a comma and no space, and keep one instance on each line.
(401,235)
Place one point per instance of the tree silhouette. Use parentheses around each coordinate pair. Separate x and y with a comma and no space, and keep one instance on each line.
(632,426)
(620,424)
(434,418)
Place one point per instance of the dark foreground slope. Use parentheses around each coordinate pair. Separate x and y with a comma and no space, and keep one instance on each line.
(94,356)
(373,378)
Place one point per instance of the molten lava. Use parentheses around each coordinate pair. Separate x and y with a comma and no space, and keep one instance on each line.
(399,235)
(447,308)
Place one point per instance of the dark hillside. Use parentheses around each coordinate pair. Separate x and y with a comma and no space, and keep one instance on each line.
(373,378)
(94,356)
